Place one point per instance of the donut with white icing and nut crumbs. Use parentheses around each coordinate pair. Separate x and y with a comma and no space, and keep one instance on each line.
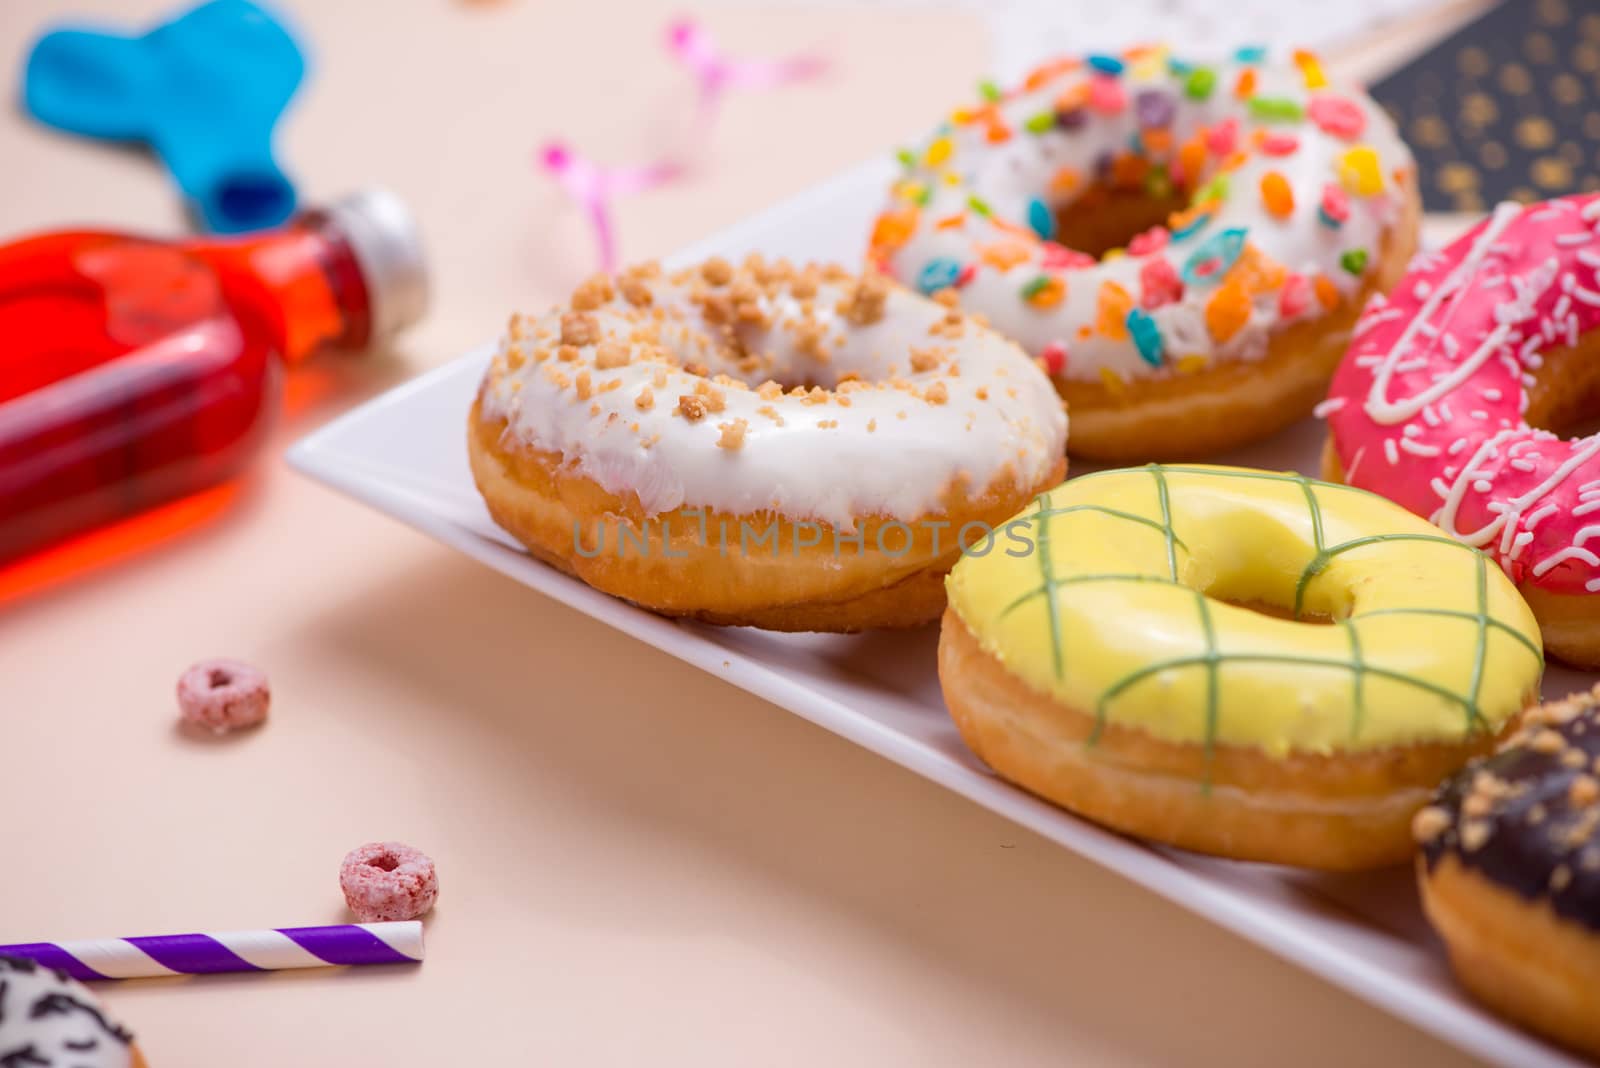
(1510,872)
(795,448)
(1186,245)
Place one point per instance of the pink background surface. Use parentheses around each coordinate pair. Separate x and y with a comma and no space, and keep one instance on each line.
(639,864)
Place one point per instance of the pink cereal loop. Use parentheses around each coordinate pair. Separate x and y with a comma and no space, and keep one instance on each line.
(387,881)
(1427,406)
(223,695)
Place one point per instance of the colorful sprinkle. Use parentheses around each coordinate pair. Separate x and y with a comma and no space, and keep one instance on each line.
(1213,258)
(1191,160)
(1354,261)
(1054,358)
(968,273)
(1106,64)
(1200,83)
(1227,312)
(1279,143)
(1043,122)
(938,273)
(1114,304)
(894,228)
(1359,171)
(1338,116)
(1154,107)
(1276,109)
(989,91)
(1222,138)
(951,222)
(907,158)
(1216,189)
(979,205)
(1048,71)
(1152,240)
(1251,54)
(1335,206)
(1277,195)
(1060,258)
(1041,218)
(1328,294)
(1146,335)
(1310,69)
(1188,365)
(1159,283)
(1156,141)
(1257,272)
(1295,297)
(1044,291)
(1004,255)
(1187,224)
(939,151)
(1245,87)
(1178,67)
(1065,180)
(1113,383)
(1106,95)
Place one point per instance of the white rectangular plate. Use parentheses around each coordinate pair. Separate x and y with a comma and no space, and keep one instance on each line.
(405,454)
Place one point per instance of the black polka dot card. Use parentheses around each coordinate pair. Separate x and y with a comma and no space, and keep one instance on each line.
(1507,108)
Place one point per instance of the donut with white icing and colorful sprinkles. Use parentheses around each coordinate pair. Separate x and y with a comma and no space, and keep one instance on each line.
(1184,245)
(1441,401)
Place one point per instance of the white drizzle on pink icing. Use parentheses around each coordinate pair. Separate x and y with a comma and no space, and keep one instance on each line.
(1472,322)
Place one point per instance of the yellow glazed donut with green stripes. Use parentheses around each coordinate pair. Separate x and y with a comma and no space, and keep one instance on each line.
(1255,665)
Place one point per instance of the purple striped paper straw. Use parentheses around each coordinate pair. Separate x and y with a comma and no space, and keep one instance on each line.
(229,951)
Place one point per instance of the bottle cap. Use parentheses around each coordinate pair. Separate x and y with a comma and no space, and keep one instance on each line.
(388,249)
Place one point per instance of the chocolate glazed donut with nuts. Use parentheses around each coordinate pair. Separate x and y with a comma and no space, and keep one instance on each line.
(1510,872)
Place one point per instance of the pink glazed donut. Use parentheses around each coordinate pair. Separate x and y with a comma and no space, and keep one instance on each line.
(1454,393)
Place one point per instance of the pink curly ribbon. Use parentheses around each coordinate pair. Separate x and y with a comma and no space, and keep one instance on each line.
(593,187)
(717,72)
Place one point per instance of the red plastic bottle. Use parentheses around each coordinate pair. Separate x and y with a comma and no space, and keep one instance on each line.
(135,371)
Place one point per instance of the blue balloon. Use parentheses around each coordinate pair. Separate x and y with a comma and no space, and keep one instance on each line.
(203,90)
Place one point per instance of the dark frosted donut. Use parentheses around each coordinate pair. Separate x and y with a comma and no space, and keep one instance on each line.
(1510,872)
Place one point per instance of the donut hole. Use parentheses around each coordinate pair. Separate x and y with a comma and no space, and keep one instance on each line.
(384,862)
(217,678)
(1106,217)
(1228,571)
(1565,395)
(1283,612)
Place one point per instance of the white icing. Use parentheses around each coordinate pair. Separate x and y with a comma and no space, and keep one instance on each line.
(1390,412)
(1009,175)
(891,451)
(52,1021)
